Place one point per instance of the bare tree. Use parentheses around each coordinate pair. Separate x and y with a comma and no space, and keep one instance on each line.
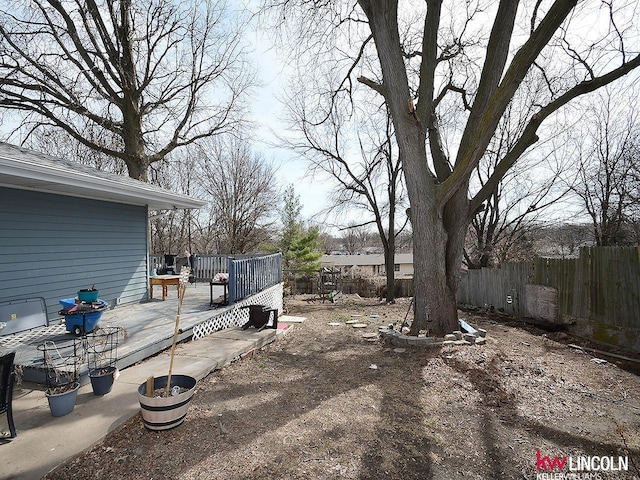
(131,79)
(356,238)
(447,82)
(502,228)
(562,240)
(178,230)
(61,145)
(370,187)
(330,242)
(607,177)
(242,193)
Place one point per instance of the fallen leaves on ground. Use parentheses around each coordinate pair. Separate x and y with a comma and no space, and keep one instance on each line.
(312,406)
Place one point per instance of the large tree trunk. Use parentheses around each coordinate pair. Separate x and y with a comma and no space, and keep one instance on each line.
(439,206)
(137,167)
(438,239)
(435,277)
(136,157)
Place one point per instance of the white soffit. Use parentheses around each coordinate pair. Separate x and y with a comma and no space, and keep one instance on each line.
(30,170)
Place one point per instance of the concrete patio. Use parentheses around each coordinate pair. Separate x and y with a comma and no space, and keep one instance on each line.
(43,441)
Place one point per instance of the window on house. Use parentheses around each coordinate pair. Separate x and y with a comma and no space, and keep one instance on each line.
(396,267)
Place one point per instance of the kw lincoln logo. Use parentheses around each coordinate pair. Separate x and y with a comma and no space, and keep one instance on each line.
(579,468)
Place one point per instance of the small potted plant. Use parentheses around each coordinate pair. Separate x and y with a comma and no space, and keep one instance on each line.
(102,358)
(164,400)
(62,370)
(88,295)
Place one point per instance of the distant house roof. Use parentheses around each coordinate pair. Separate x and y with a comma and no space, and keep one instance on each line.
(362,260)
(30,170)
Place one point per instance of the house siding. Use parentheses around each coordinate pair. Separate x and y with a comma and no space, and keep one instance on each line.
(53,245)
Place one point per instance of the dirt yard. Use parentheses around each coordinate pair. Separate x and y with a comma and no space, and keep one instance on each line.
(326,403)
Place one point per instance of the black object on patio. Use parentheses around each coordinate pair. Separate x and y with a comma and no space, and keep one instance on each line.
(259,317)
(7,375)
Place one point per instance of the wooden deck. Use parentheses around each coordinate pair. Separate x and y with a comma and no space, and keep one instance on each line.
(148,330)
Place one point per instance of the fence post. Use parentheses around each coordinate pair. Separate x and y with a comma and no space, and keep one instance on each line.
(279,268)
(232,280)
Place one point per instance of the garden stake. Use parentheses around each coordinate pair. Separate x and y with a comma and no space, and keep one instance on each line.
(182,287)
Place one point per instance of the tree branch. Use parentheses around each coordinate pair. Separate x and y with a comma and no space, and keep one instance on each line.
(378,87)
(529,136)
(479,131)
(347,77)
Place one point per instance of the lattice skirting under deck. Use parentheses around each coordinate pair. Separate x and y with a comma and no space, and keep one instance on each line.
(32,336)
(271,297)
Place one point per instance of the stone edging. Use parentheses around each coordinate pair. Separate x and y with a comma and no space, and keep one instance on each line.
(395,338)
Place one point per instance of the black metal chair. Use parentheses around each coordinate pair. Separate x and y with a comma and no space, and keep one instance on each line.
(260,316)
(7,375)
(169,264)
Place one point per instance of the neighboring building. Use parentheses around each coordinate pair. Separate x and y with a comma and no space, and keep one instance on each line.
(366,265)
(66,226)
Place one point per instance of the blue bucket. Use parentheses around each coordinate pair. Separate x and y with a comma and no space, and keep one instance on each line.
(67,302)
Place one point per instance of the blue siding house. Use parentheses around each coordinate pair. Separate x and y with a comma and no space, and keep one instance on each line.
(66,226)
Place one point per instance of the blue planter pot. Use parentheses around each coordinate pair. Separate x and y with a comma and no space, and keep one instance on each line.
(102,380)
(62,404)
(87,295)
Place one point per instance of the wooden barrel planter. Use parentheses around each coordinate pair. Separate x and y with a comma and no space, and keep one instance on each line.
(164,413)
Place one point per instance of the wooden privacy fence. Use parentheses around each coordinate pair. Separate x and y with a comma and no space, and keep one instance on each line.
(368,287)
(248,274)
(501,287)
(596,295)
